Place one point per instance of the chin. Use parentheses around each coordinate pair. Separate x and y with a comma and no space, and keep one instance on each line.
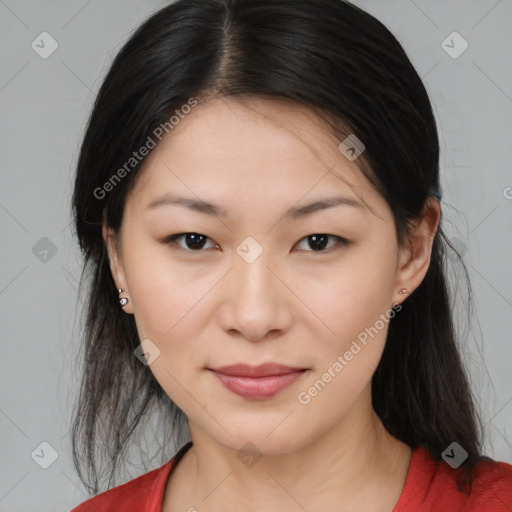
(257,440)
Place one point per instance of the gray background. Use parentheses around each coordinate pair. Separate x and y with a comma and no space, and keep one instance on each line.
(45,104)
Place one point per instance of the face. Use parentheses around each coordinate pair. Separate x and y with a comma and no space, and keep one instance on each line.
(261,279)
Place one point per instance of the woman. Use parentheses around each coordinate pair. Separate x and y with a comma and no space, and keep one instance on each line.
(258,201)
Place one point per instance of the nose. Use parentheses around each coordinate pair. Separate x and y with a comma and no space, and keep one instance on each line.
(257,303)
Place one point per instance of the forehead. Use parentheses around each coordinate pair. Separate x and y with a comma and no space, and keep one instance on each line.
(253,150)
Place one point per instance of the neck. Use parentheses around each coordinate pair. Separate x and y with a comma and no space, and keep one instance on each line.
(357,463)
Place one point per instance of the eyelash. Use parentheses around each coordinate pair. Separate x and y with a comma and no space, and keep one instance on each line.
(173,238)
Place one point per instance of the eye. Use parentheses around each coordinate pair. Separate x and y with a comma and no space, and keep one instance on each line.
(193,241)
(319,241)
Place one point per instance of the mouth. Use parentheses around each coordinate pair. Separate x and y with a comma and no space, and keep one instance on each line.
(257,382)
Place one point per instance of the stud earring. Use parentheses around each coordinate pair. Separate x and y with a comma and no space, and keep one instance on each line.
(403,291)
(122,300)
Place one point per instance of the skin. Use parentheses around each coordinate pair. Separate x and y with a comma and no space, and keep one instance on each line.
(294,305)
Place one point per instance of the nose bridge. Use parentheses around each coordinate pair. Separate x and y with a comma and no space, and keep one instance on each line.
(255,304)
(253,279)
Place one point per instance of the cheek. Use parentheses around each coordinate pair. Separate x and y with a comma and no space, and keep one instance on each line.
(351,296)
(356,310)
(169,311)
(164,293)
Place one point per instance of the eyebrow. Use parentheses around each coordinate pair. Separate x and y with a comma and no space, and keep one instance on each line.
(205,207)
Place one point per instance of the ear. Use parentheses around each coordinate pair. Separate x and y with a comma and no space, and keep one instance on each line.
(116,264)
(414,260)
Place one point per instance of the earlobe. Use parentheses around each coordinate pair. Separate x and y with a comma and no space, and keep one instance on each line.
(122,300)
(116,267)
(415,258)
(113,258)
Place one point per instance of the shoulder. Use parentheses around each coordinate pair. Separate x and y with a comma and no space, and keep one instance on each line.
(142,494)
(492,487)
(433,485)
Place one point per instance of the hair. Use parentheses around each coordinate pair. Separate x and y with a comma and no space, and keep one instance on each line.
(332,58)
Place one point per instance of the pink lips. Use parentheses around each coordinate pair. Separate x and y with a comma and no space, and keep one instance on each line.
(257,382)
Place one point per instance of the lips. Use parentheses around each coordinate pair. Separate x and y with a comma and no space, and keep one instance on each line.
(257,382)
(263,370)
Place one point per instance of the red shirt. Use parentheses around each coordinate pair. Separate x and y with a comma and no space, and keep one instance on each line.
(430,486)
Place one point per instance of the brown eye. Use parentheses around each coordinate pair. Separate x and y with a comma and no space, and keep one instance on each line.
(193,241)
(319,241)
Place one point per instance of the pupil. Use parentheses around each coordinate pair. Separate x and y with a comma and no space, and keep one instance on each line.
(319,241)
(192,239)
(196,241)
